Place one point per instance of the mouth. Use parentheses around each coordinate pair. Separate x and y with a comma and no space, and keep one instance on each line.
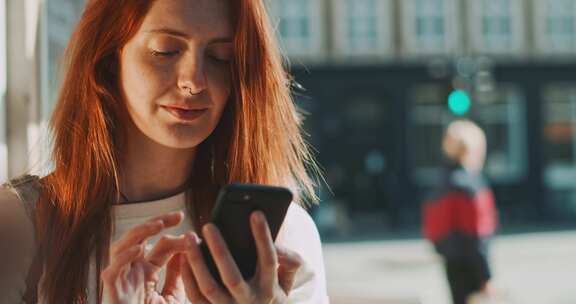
(184,114)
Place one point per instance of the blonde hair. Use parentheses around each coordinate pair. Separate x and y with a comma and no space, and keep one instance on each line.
(471,140)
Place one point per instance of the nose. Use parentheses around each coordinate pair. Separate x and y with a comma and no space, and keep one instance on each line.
(192,76)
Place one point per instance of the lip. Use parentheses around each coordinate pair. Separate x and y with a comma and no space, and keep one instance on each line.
(185,107)
(185,114)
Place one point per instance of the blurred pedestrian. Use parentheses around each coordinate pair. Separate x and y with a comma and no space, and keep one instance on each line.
(461,216)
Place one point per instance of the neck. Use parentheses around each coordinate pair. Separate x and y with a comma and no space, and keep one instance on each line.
(149,170)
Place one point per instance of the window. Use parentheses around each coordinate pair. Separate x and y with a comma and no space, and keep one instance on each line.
(560,145)
(363,27)
(299,26)
(430,26)
(497,26)
(502,116)
(556,26)
(428,118)
(430,23)
(62,16)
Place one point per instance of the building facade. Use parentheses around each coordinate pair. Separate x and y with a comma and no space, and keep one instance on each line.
(376,86)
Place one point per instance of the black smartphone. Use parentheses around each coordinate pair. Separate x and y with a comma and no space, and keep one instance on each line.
(231,214)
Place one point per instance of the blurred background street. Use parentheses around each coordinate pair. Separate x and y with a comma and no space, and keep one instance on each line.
(529,268)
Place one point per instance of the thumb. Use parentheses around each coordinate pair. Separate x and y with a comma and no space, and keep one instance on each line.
(289,263)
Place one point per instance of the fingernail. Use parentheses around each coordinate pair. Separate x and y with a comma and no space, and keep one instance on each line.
(259,217)
(210,228)
(177,213)
(193,238)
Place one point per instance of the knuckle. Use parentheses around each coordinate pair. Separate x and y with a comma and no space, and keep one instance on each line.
(267,296)
(196,259)
(113,249)
(209,290)
(237,285)
(270,260)
(147,228)
(106,275)
(164,240)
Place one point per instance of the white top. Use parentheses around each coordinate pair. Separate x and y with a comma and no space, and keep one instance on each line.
(298,233)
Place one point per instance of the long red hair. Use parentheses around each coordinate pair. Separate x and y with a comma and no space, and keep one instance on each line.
(258,140)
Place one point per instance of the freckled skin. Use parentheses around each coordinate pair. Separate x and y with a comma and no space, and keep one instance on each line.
(159,68)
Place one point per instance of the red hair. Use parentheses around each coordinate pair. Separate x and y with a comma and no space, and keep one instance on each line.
(258,139)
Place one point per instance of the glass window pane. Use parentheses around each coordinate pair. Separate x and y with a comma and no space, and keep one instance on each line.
(560,145)
(295,26)
(362,26)
(62,16)
(560,27)
(496,24)
(430,24)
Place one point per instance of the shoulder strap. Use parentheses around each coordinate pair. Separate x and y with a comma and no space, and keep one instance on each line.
(27,188)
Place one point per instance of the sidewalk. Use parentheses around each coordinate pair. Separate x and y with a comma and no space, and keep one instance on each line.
(538,268)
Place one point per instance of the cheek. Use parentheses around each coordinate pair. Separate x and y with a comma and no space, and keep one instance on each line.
(141,82)
(220,82)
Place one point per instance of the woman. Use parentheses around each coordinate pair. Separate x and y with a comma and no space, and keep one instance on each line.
(162,103)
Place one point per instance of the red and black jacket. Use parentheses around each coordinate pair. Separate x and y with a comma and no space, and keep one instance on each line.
(462,216)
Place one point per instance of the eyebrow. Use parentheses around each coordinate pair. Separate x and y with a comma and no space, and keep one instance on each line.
(179,34)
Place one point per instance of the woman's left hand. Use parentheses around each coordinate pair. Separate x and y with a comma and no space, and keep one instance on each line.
(271,283)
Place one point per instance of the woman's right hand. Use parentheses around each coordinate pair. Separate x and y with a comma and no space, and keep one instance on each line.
(131,276)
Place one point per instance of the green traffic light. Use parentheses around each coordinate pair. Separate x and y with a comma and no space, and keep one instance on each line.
(459,102)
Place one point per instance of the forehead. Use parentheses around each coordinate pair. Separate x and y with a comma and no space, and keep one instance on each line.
(195,18)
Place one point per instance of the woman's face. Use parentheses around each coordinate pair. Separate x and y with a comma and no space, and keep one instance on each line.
(175,71)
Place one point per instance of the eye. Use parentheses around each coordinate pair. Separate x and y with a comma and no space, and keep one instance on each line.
(164,53)
(219,59)
(220,55)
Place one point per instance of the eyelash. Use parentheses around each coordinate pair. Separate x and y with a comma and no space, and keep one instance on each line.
(174,53)
(164,54)
(218,60)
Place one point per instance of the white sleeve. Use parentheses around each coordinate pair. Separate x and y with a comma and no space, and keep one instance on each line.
(299,233)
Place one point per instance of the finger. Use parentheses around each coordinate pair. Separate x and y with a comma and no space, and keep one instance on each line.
(173,283)
(289,264)
(165,248)
(123,259)
(229,272)
(190,286)
(206,283)
(170,219)
(267,258)
(145,230)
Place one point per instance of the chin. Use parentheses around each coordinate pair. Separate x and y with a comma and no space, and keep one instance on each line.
(181,140)
(180,143)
